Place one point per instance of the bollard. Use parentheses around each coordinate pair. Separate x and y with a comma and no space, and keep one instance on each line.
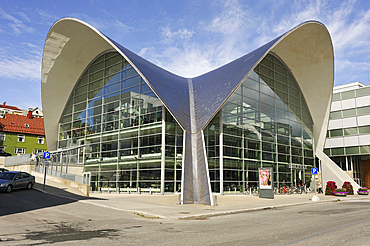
(108,190)
(117,190)
(250,191)
(179,201)
(128,190)
(138,190)
(235,191)
(150,190)
(216,201)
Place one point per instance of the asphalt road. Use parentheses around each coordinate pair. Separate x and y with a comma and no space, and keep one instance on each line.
(35,218)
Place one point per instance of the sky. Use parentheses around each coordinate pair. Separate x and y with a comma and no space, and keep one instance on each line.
(188,38)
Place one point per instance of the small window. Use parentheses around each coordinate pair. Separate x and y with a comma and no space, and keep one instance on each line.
(40,140)
(2,136)
(21,138)
(39,151)
(19,151)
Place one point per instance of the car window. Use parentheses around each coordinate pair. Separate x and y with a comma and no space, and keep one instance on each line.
(25,175)
(7,176)
(18,176)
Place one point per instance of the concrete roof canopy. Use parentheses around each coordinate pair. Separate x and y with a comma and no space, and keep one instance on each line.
(72,44)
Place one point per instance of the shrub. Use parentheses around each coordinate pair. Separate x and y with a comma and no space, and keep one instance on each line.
(330,188)
(348,187)
(363,189)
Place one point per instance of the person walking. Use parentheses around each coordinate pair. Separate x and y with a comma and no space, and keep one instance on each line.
(300,184)
(319,187)
(307,184)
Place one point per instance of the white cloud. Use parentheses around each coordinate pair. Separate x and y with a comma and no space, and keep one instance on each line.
(147,51)
(171,36)
(15,67)
(230,20)
(15,24)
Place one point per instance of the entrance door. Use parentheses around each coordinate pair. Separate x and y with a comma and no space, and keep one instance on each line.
(366,172)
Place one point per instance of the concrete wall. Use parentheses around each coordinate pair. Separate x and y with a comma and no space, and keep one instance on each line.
(83,188)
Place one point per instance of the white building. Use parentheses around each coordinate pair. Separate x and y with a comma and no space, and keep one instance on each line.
(348,137)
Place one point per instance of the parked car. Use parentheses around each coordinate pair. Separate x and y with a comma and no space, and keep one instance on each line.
(3,153)
(3,170)
(16,180)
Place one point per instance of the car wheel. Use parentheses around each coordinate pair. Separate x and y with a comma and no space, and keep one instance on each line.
(29,186)
(9,189)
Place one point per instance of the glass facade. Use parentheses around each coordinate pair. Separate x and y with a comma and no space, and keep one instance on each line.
(130,140)
(265,123)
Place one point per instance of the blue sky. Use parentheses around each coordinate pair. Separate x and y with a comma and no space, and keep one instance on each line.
(186,37)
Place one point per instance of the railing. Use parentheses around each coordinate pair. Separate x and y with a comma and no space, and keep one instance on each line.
(68,176)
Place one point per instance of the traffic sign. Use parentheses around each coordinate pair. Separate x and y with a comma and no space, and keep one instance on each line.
(46,163)
(314,170)
(47,155)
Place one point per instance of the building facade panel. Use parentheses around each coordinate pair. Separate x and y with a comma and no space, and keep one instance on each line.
(349,103)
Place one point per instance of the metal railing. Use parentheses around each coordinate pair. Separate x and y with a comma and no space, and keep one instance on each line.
(68,176)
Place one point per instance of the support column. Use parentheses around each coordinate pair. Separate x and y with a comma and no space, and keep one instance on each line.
(195,184)
(163,151)
(196,187)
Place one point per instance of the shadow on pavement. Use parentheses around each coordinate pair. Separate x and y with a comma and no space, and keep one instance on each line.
(20,201)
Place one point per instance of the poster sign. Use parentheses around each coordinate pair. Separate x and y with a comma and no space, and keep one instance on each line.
(265,178)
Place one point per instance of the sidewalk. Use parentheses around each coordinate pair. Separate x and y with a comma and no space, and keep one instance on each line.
(165,206)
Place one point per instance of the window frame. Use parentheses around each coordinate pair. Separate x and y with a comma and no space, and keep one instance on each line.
(16,151)
(22,137)
(42,140)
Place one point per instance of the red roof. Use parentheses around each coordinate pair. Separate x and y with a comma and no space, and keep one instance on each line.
(10,107)
(22,124)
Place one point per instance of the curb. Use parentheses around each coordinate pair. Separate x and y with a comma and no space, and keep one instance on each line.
(198,216)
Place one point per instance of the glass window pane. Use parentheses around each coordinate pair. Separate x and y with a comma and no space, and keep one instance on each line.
(336,97)
(131,82)
(363,91)
(113,60)
(364,129)
(363,110)
(128,73)
(335,115)
(348,94)
(251,84)
(336,133)
(349,112)
(365,149)
(350,131)
(337,151)
(352,150)
(96,67)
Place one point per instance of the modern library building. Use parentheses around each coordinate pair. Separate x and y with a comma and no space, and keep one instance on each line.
(131,124)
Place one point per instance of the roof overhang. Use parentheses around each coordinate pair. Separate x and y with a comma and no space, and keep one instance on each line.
(72,44)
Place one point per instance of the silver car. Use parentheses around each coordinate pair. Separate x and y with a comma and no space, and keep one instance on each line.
(16,180)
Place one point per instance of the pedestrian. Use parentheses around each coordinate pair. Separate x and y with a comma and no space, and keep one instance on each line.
(307,184)
(319,187)
(300,183)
